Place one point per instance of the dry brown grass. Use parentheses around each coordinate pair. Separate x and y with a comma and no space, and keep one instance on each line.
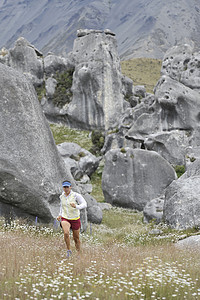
(143,71)
(34,266)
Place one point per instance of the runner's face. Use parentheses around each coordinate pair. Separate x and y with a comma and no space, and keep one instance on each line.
(67,189)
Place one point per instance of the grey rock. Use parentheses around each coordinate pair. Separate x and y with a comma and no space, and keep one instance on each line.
(155,231)
(133,177)
(94,211)
(84,32)
(97,89)
(85,161)
(180,105)
(153,210)
(176,60)
(146,121)
(191,243)
(54,64)
(133,100)
(182,206)
(127,87)
(25,58)
(50,86)
(191,73)
(105,206)
(31,169)
(139,91)
(85,188)
(171,145)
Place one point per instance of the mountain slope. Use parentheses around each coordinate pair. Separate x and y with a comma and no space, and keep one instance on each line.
(144,28)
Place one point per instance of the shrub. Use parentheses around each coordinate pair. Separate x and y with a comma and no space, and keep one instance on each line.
(41,91)
(98,139)
(63,93)
(180,170)
(123,150)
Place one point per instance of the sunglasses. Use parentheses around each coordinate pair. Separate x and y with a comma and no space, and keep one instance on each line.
(66,187)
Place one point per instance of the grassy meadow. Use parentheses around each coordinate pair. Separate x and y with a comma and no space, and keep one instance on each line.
(143,71)
(122,258)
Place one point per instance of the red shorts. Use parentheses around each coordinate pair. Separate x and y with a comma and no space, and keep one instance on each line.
(75,224)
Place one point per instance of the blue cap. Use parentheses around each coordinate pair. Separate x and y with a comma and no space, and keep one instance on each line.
(66,183)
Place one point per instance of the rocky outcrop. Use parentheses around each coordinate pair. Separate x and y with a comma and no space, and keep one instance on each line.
(133,177)
(86,90)
(25,58)
(168,121)
(97,87)
(83,90)
(182,200)
(191,243)
(80,161)
(94,210)
(31,168)
(180,105)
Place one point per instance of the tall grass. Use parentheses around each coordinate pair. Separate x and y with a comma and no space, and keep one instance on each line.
(34,265)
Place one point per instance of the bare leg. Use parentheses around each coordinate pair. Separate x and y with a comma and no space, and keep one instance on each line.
(66,228)
(76,239)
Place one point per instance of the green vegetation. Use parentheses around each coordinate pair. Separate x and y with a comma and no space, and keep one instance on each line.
(180,170)
(63,134)
(63,93)
(143,71)
(41,91)
(96,177)
(123,150)
(97,141)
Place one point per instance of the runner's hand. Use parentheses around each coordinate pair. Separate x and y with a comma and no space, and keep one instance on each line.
(59,218)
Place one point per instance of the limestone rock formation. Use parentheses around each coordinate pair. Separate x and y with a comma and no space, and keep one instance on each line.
(191,243)
(133,177)
(31,169)
(180,105)
(182,200)
(97,87)
(153,210)
(167,121)
(79,160)
(94,210)
(94,97)
(25,58)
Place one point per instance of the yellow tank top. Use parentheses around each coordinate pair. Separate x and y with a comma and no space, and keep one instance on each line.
(68,212)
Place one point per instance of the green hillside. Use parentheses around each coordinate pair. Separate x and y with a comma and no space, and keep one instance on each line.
(143,71)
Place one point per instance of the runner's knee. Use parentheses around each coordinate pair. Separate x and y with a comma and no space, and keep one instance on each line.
(66,234)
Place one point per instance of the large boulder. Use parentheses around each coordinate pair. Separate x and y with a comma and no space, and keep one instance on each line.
(175,61)
(172,145)
(56,64)
(94,210)
(31,168)
(180,105)
(182,201)
(26,59)
(97,86)
(191,74)
(133,177)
